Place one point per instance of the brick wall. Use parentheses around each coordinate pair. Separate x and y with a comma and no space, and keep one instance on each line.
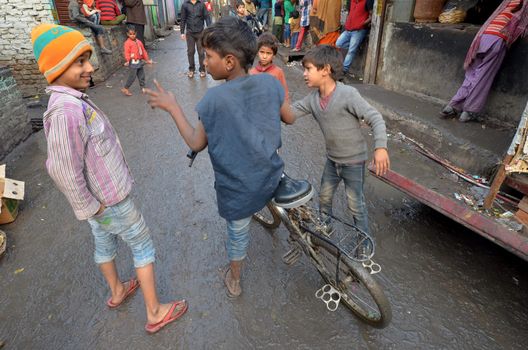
(17,18)
(14,123)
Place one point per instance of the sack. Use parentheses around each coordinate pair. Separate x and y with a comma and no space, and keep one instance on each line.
(454,11)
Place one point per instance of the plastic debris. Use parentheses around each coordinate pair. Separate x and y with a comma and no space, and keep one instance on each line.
(17,271)
(506,214)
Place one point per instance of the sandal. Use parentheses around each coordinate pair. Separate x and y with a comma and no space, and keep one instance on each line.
(126,92)
(152,328)
(133,284)
(232,291)
(202,74)
(190,74)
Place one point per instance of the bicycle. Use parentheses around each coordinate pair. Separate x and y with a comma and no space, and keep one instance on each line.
(348,253)
(342,258)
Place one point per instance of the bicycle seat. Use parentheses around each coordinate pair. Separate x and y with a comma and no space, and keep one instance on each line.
(292,193)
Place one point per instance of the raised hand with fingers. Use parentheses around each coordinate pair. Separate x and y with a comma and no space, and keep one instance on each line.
(161,99)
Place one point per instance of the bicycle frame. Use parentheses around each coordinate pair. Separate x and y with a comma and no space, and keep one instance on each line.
(305,241)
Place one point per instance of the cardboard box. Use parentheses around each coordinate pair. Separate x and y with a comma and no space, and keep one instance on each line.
(11,191)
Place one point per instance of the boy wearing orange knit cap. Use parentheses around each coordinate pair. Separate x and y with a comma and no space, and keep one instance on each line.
(86,162)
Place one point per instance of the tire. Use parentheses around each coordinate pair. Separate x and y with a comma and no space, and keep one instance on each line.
(268,217)
(367,301)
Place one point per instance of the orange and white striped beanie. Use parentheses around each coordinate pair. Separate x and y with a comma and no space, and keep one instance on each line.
(56,48)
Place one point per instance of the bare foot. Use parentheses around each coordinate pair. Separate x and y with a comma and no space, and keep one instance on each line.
(163,310)
(123,291)
(126,92)
(232,285)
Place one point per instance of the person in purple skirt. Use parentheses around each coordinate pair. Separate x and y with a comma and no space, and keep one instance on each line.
(485,56)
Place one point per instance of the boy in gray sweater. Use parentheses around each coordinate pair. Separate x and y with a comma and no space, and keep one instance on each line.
(338,109)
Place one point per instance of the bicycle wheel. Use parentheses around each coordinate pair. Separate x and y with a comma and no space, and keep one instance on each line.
(268,217)
(359,291)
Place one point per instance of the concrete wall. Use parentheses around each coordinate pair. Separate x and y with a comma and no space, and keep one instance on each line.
(14,123)
(428,60)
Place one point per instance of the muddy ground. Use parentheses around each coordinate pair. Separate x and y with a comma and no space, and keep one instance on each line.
(449,288)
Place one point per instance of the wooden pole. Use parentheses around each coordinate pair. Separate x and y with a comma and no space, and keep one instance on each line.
(497,182)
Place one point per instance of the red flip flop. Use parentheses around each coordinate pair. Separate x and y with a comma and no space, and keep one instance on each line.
(132,286)
(169,317)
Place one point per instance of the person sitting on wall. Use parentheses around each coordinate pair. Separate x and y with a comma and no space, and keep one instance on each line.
(356,28)
(90,12)
(74,10)
(110,12)
(508,23)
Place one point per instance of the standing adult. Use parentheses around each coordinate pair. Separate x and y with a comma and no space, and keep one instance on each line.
(135,12)
(263,12)
(484,58)
(193,16)
(356,28)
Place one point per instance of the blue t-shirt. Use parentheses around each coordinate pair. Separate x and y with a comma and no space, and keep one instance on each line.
(242,121)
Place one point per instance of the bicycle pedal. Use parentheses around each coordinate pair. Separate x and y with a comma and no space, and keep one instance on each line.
(292,256)
(330,296)
(372,267)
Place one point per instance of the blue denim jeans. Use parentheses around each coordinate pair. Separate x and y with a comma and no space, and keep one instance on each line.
(353,176)
(350,40)
(237,238)
(286,32)
(294,37)
(123,220)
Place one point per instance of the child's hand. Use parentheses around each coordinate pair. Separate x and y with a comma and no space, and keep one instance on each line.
(150,62)
(381,161)
(126,64)
(161,98)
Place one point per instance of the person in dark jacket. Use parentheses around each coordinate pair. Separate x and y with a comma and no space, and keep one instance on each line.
(135,12)
(193,16)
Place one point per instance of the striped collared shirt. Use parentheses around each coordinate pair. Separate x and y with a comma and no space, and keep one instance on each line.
(85,158)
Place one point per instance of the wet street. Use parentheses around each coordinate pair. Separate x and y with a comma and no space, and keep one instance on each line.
(449,288)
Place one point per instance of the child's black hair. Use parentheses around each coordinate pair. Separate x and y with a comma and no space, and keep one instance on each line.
(239,3)
(231,35)
(268,40)
(295,14)
(131,28)
(323,55)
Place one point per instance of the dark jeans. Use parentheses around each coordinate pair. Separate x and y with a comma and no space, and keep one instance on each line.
(194,44)
(140,31)
(132,73)
(353,176)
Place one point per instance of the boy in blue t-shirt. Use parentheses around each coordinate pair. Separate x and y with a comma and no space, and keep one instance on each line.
(242,135)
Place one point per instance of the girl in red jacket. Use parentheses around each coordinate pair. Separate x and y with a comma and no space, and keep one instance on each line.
(135,56)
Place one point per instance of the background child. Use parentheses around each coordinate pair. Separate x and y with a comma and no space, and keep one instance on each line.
(288,9)
(89,11)
(295,27)
(86,162)
(135,57)
(267,49)
(338,109)
(241,10)
(243,134)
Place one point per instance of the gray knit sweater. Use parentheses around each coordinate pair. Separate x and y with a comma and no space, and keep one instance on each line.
(340,123)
